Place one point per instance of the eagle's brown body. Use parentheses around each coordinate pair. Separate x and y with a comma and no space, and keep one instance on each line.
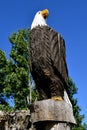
(48,62)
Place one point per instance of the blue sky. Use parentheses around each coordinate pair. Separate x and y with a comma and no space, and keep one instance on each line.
(69,18)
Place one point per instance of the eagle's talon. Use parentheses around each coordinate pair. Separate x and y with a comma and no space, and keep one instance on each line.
(59,98)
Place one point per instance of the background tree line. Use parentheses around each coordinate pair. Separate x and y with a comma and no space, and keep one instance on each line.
(15,79)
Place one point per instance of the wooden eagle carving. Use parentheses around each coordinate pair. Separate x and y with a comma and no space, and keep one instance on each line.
(48,59)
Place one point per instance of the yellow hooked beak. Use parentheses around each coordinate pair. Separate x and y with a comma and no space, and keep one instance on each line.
(45,13)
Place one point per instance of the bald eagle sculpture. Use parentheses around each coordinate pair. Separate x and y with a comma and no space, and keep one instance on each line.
(48,60)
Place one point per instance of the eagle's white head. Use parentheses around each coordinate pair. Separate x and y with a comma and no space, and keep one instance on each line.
(40,18)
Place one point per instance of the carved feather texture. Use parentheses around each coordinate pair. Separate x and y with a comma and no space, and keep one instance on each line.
(48,62)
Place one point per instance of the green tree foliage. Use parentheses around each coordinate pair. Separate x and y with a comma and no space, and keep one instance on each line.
(16,81)
(3,73)
(3,63)
(76,109)
(19,76)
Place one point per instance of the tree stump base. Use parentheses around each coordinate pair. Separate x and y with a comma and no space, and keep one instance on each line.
(52,115)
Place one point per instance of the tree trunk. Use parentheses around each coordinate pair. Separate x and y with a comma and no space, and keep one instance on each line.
(52,115)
